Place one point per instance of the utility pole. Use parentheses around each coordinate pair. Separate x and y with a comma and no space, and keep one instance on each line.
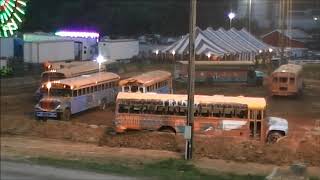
(249,16)
(191,72)
(282,10)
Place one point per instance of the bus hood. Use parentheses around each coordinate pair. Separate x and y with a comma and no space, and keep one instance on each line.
(277,124)
(49,103)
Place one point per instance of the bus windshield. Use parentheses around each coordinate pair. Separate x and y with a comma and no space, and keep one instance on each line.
(57,92)
(51,76)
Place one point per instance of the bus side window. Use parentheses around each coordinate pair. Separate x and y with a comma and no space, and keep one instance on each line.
(141,89)
(79,92)
(99,87)
(291,80)
(74,93)
(259,115)
(217,110)
(88,90)
(148,89)
(91,89)
(95,88)
(83,91)
(205,111)
(228,111)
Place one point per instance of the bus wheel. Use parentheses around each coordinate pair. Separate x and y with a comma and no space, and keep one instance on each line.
(274,136)
(103,104)
(167,129)
(66,115)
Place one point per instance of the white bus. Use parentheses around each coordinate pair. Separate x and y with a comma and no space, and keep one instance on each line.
(78,69)
(69,96)
(153,81)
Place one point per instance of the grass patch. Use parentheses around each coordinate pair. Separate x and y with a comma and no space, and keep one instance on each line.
(314,178)
(167,169)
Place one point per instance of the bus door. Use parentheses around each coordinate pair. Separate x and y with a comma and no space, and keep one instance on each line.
(255,118)
(78,50)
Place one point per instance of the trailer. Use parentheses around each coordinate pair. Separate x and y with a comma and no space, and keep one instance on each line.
(84,48)
(120,49)
(43,51)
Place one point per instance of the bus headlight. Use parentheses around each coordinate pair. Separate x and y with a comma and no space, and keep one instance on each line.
(37,107)
(58,107)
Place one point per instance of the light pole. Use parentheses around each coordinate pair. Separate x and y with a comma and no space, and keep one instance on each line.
(231,15)
(100,59)
(250,11)
(209,55)
(48,87)
(173,54)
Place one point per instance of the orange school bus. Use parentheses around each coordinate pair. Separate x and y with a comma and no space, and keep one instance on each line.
(214,115)
(286,80)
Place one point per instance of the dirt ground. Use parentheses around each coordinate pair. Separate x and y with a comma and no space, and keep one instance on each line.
(302,144)
(14,147)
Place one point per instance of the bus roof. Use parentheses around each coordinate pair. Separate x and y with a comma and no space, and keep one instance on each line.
(290,68)
(84,80)
(220,63)
(79,69)
(148,78)
(251,102)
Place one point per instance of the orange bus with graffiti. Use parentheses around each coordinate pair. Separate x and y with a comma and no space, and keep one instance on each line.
(214,115)
(286,80)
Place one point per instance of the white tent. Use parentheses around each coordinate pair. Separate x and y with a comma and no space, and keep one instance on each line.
(219,43)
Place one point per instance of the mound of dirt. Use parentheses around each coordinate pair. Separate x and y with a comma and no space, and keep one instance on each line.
(78,132)
(144,140)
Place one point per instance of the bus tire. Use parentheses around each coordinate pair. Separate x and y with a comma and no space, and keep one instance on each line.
(167,129)
(37,118)
(274,136)
(103,104)
(66,115)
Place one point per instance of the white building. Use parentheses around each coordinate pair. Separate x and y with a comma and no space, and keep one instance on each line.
(84,48)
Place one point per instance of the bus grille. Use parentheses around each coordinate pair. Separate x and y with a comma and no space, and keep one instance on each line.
(49,104)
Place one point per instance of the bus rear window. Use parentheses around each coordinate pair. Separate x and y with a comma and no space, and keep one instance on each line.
(52,76)
(283,79)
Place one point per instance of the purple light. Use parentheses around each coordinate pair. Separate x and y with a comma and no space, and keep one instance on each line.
(77,34)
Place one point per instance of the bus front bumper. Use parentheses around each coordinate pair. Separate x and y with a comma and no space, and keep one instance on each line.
(46,114)
(283,93)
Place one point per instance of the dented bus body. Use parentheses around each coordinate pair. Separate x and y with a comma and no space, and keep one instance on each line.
(216,115)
